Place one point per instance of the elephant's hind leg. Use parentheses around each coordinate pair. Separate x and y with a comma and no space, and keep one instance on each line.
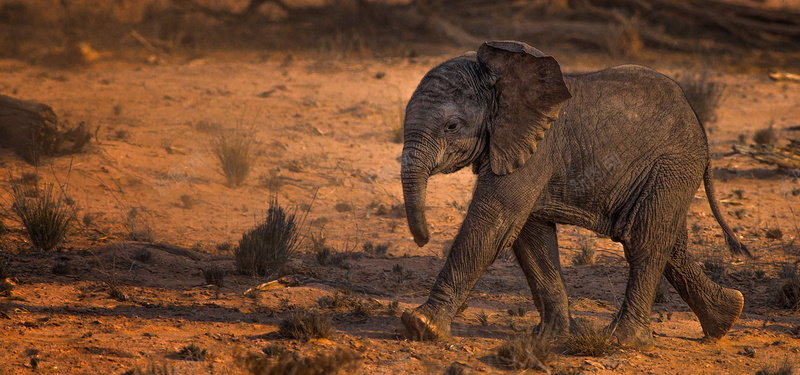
(716,307)
(657,215)
(536,250)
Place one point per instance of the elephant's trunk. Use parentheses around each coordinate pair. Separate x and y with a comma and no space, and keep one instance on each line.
(414,186)
(414,172)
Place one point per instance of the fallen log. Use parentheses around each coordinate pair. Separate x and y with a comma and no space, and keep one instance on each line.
(32,130)
(784,157)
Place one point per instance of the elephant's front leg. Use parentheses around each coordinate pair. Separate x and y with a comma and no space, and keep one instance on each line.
(536,249)
(474,249)
(499,208)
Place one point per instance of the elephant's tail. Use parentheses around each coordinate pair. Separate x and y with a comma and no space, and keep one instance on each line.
(733,242)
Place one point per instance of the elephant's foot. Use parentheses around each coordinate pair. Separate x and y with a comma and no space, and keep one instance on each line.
(633,336)
(554,329)
(721,314)
(422,327)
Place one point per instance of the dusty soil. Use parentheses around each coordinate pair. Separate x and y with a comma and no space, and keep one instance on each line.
(324,127)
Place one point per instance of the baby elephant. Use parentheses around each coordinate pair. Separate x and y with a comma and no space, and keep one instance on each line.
(619,152)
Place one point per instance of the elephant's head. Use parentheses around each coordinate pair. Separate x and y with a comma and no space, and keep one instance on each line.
(495,104)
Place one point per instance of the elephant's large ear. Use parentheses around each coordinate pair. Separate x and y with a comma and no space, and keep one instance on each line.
(531,90)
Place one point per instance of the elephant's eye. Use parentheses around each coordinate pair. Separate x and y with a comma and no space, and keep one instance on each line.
(452,125)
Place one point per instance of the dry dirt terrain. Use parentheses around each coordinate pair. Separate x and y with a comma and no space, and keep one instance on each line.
(324,127)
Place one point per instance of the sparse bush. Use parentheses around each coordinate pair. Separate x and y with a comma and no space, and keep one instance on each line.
(393,308)
(343,207)
(766,137)
(274,350)
(524,352)
(114,291)
(586,245)
(519,311)
(265,250)
(143,256)
(338,301)
(5,286)
(187,202)
(589,340)
(784,367)
(379,250)
(61,268)
(662,292)
(703,94)
(306,325)
(332,257)
(224,246)
(483,318)
(234,150)
(292,363)
(788,294)
(46,218)
(456,368)
(214,276)
(773,233)
(88,218)
(192,352)
(138,225)
(151,369)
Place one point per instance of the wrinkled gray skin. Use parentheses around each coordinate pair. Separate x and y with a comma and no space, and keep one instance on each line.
(619,152)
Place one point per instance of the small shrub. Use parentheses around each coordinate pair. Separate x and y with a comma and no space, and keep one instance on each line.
(46,219)
(774,233)
(5,286)
(88,218)
(192,352)
(703,94)
(788,294)
(338,301)
(519,311)
(187,202)
(337,362)
(456,368)
(483,318)
(151,369)
(379,250)
(588,340)
(265,250)
(306,325)
(234,150)
(143,256)
(784,367)
(61,268)
(214,276)
(138,226)
(587,247)
(274,350)
(766,137)
(114,291)
(393,308)
(662,292)
(332,257)
(343,207)
(224,246)
(525,352)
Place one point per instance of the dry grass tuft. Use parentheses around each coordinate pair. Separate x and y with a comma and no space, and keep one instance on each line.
(340,361)
(589,340)
(45,217)
(214,276)
(787,295)
(265,250)
(306,325)
(152,369)
(784,367)
(587,245)
(766,136)
(525,352)
(138,225)
(192,352)
(235,151)
(703,94)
